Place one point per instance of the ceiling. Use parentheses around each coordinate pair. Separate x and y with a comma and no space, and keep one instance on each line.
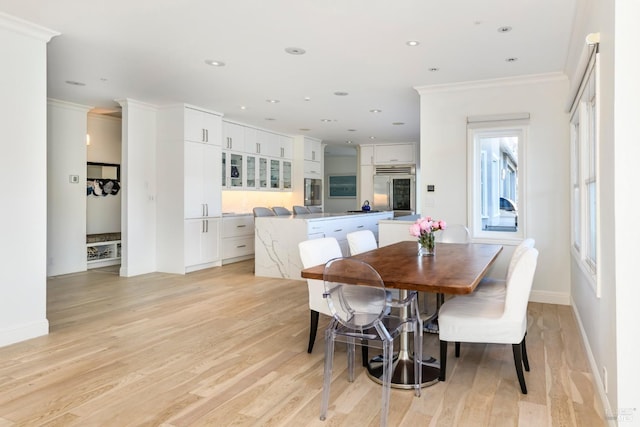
(155,51)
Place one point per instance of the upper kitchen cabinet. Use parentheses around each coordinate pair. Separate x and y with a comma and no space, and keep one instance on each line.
(202,126)
(394,154)
(233,137)
(312,149)
(366,155)
(274,145)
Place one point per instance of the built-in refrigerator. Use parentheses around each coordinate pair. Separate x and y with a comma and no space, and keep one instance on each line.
(395,193)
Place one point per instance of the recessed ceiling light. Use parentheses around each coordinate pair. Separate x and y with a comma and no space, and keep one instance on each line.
(304,129)
(243,107)
(413,43)
(351,130)
(375,110)
(349,142)
(325,120)
(434,69)
(504,29)
(295,50)
(341,93)
(74,83)
(273,101)
(513,59)
(397,123)
(271,119)
(307,98)
(214,63)
(372,137)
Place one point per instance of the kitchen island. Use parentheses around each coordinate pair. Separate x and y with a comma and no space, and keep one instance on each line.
(277,237)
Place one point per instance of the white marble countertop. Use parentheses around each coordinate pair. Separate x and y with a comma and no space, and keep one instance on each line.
(226,214)
(325,215)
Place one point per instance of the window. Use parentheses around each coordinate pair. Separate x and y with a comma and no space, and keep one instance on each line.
(496,200)
(584,167)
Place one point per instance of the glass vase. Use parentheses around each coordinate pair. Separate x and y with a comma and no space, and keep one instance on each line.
(427,245)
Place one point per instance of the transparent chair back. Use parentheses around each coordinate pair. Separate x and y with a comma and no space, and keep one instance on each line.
(357,299)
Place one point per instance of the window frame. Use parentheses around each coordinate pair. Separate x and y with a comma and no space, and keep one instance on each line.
(585,206)
(497,128)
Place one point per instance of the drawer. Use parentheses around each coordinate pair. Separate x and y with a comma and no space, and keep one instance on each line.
(236,226)
(237,246)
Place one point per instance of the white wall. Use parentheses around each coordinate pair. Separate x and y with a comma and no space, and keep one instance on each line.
(66,201)
(626,177)
(138,177)
(339,165)
(104,212)
(443,148)
(597,315)
(23,141)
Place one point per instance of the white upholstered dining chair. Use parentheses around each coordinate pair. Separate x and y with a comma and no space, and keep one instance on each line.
(361,241)
(315,252)
(454,233)
(357,299)
(490,286)
(497,319)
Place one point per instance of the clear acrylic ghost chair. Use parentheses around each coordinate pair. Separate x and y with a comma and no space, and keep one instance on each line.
(301,210)
(315,209)
(357,299)
(499,320)
(315,252)
(260,211)
(489,287)
(281,211)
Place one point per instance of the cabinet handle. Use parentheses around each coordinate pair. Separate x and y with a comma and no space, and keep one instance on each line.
(240,226)
(339,229)
(203,227)
(361,226)
(206,132)
(207,205)
(241,246)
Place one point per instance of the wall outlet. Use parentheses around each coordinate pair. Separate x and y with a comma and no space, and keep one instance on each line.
(605,379)
(74,179)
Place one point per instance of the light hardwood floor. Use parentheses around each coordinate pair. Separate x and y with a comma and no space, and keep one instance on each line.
(222,347)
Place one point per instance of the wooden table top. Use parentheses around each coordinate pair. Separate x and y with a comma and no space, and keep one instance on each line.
(455,269)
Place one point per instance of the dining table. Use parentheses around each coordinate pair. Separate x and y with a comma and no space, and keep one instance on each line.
(455,269)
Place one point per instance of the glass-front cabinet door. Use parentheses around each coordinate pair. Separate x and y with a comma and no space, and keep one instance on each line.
(224,169)
(275,174)
(263,172)
(251,172)
(236,170)
(286,175)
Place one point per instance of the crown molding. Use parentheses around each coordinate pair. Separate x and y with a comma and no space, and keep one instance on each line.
(491,83)
(26,28)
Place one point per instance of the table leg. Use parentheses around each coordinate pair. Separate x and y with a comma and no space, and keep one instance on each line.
(403,368)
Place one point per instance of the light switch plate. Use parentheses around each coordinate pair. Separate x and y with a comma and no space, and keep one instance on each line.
(74,179)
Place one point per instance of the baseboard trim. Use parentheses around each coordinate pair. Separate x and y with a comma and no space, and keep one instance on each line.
(23,332)
(547,297)
(595,372)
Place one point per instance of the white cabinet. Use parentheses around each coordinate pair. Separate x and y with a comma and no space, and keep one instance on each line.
(312,158)
(202,126)
(201,180)
(394,154)
(366,155)
(201,242)
(233,137)
(312,149)
(189,196)
(237,238)
(274,145)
